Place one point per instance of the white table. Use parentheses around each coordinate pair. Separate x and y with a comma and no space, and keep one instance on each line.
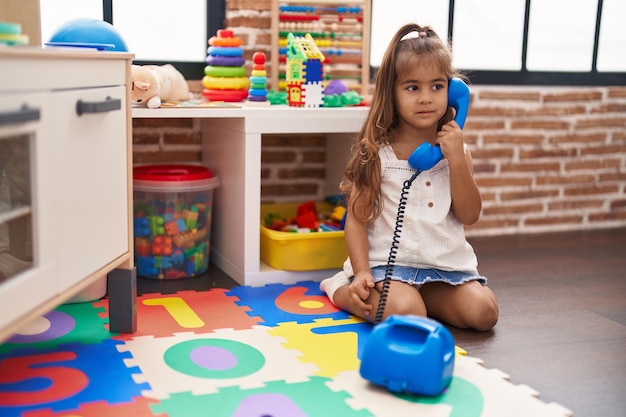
(231,140)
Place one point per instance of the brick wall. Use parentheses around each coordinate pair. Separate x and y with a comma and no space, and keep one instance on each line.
(548,158)
(545,159)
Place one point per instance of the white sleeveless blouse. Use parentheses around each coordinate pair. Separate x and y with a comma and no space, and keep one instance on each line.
(431,235)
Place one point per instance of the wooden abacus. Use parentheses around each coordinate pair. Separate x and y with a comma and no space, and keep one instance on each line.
(341,30)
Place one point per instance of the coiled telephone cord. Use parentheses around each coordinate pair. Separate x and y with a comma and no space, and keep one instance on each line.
(382,301)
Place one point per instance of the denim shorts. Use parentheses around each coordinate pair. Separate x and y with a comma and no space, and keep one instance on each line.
(421,276)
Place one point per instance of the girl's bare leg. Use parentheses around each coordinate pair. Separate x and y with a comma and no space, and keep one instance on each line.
(470,305)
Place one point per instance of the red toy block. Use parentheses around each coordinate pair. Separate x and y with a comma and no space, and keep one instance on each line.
(162,245)
(142,246)
(307,215)
(171,228)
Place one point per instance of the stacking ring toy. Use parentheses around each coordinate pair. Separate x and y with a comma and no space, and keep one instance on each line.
(217,41)
(10,28)
(225,61)
(257,98)
(258,80)
(225,95)
(257,92)
(225,51)
(225,83)
(215,71)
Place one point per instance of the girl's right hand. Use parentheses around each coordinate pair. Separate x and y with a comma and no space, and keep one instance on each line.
(359,291)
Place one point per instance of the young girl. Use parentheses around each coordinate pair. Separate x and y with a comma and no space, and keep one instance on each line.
(435,269)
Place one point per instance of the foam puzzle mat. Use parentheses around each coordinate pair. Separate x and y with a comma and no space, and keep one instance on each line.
(272,351)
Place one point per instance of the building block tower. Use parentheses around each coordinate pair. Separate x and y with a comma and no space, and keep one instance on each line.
(304,72)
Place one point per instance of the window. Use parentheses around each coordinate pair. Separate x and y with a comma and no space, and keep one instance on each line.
(55,13)
(156,31)
(550,42)
(386,20)
(484,26)
(559,41)
(611,56)
(153,27)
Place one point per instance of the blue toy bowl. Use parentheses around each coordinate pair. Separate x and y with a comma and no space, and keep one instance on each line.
(88,33)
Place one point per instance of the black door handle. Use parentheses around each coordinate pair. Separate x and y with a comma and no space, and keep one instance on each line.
(107,105)
(23,115)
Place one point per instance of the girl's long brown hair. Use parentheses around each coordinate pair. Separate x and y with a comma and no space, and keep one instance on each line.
(361,179)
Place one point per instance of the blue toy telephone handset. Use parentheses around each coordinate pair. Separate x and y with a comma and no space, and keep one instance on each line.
(426,155)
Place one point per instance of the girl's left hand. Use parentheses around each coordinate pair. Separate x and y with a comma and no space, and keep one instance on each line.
(450,138)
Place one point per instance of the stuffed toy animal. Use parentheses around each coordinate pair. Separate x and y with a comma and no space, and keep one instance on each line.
(153,84)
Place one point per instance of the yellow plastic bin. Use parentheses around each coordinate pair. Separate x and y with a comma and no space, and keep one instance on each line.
(300,251)
(172,219)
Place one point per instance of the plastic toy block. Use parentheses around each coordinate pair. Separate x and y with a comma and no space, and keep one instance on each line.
(188,237)
(177,257)
(162,245)
(141,227)
(156,225)
(142,246)
(190,268)
(171,227)
(314,71)
(304,66)
(180,224)
(338,213)
(174,274)
(166,262)
(190,252)
(295,71)
(305,208)
(146,266)
(294,94)
(313,94)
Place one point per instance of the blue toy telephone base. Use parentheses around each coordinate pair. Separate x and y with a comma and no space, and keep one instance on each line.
(409,354)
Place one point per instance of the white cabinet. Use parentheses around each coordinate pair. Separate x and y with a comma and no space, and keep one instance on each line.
(65,114)
(90,173)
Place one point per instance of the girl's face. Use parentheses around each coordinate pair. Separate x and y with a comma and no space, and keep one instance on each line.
(421,97)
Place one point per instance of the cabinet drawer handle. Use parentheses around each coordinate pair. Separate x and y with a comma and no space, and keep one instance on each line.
(23,115)
(107,105)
